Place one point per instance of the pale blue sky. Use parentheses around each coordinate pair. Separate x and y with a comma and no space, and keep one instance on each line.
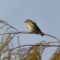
(46,13)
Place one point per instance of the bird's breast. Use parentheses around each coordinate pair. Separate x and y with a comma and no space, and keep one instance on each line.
(29,27)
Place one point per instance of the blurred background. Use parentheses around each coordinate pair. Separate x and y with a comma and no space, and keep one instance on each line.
(46,13)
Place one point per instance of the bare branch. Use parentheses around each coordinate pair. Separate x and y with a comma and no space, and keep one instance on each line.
(58,40)
(45,45)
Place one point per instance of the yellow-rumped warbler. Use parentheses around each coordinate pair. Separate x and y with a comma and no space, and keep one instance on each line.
(33,28)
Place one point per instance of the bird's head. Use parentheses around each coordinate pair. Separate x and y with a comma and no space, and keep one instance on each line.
(28,21)
(30,24)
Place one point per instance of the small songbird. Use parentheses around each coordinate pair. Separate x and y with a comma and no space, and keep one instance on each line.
(33,28)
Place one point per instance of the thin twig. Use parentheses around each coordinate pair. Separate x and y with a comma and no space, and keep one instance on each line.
(46,45)
(22,32)
(58,40)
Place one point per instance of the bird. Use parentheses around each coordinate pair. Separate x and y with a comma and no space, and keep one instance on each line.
(33,27)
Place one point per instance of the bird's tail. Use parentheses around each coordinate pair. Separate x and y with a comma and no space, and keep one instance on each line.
(42,34)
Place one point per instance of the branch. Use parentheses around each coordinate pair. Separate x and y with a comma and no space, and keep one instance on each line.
(58,40)
(44,45)
(22,32)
